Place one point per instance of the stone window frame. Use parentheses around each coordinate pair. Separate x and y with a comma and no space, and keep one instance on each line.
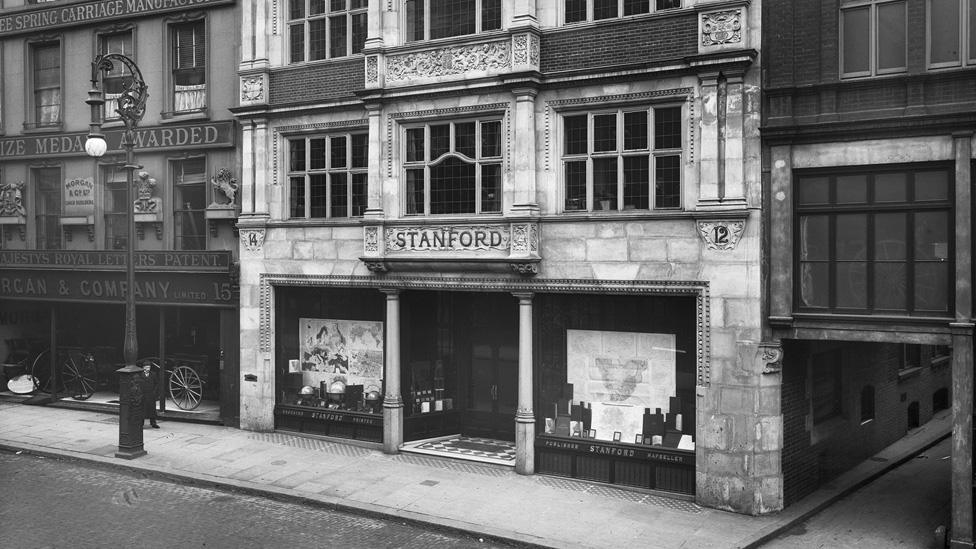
(173,110)
(478,14)
(966,41)
(33,116)
(875,41)
(198,213)
(590,15)
(350,170)
(651,151)
(350,11)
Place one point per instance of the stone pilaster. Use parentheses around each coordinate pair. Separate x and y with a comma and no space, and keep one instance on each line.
(524,417)
(708,170)
(523,178)
(781,233)
(374,182)
(392,401)
(734,188)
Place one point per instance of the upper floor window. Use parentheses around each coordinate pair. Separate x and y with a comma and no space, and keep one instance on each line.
(47,207)
(321,29)
(114,80)
(873,38)
(46,84)
(624,159)
(190,203)
(874,242)
(951,33)
(115,210)
(432,19)
(189,66)
(454,168)
(596,10)
(327,175)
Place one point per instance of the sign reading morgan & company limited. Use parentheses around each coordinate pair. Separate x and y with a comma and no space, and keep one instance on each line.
(448,238)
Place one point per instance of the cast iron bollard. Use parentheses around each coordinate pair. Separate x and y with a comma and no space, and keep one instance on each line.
(130,413)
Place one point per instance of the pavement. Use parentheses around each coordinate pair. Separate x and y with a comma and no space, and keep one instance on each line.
(487,500)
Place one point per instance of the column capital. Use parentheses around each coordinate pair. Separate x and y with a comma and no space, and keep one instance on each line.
(524,297)
(391,293)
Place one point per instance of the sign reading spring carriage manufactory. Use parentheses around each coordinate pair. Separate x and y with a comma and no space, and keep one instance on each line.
(447,238)
(36,19)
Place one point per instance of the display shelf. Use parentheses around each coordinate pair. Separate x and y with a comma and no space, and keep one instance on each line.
(328,422)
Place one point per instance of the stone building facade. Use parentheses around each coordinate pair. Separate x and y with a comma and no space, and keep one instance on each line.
(512,220)
(867,131)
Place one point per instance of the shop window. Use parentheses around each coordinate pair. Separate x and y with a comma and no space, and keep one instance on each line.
(627,159)
(327,175)
(114,80)
(825,386)
(873,38)
(433,19)
(189,66)
(190,203)
(867,403)
(47,206)
(951,33)
(874,242)
(45,71)
(325,29)
(116,209)
(576,11)
(453,168)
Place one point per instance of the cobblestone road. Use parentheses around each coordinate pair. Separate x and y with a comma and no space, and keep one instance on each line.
(51,503)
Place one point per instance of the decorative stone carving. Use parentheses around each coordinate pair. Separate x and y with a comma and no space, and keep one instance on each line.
(525,238)
(721,235)
(376,266)
(12,199)
(525,269)
(721,27)
(520,49)
(252,239)
(252,88)
(772,356)
(372,69)
(371,240)
(146,203)
(454,60)
(224,184)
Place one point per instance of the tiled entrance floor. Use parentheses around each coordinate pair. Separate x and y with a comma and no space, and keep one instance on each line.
(500,452)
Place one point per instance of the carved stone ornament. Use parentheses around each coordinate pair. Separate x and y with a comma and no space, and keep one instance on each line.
(721,235)
(145,203)
(12,199)
(224,184)
(372,69)
(721,27)
(772,357)
(371,240)
(525,238)
(252,88)
(520,49)
(252,239)
(454,60)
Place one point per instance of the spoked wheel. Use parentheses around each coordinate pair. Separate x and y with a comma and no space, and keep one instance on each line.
(185,387)
(41,372)
(79,375)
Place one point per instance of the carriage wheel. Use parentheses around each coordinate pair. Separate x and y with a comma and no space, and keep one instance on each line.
(41,372)
(79,375)
(185,387)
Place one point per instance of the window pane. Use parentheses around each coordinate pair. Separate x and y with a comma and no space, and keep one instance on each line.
(944,31)
(415,191)
(890,236)
(317,154)
(637,175)
(932,185)
(633,7)
(452,187)
(605,184)
(360,150)
(440,140)
(316,39)
(812,190)
(932,235)
(605,132)
(576,185)
(358,32)
(340,195)
(491,14)
(337,5)
(852,287)
(851,236)
(575,130)
(814,238)
(317,195)
(852,189)
(358,194)
(932,287)
(890,187)
(891,35)
(814,284)
(337,36)
(491,139)
(296,9)
(604,9)
(972,29)
(296,197)
(415,145)
(667,128)
(297,50)
(668,4)
(452,18)
(491,188)
(297,156)
(316,7)
(667,177)
(635,130)
(338,156)
(575,11)
(415,19)
(889,286)
(464,139)
(857,36)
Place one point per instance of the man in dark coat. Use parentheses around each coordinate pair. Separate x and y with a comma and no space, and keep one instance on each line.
(150,392)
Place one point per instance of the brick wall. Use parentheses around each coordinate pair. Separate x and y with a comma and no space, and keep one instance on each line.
(642,40)
(812,454)
(321,82)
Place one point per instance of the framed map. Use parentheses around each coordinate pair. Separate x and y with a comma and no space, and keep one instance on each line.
(350,351)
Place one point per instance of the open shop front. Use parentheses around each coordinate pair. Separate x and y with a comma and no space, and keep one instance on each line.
(186,323)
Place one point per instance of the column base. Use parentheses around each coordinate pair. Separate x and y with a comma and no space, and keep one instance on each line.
(524,446)
(392,429)
(130,453)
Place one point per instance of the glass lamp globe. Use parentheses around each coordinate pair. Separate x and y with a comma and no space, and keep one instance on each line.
(96,146)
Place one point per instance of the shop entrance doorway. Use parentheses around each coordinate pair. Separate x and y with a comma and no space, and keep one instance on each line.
(492,388)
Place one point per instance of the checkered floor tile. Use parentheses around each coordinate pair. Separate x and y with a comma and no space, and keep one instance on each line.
(482,449)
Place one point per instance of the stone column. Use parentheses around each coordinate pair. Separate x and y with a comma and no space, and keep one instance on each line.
(524,417)
(708,171)
(374,182)
(261,146)
(734,154)
(523,179)
(392,401)
(781,233)
(247,167)
(523,14)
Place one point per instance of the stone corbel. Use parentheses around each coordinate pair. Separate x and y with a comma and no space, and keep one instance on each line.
(772,357)
(224,205)
(70,222)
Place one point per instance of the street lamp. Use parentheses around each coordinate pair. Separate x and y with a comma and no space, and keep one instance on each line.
(131,107)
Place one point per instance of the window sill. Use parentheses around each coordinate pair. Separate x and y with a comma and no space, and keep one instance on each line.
(177,117)
(941,361)
(351,57)
(51,128)
(908,373)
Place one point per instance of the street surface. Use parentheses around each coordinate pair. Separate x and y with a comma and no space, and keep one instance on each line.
(51,503)
(901,509)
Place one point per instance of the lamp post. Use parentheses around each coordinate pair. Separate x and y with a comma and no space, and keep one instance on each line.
(131,107)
